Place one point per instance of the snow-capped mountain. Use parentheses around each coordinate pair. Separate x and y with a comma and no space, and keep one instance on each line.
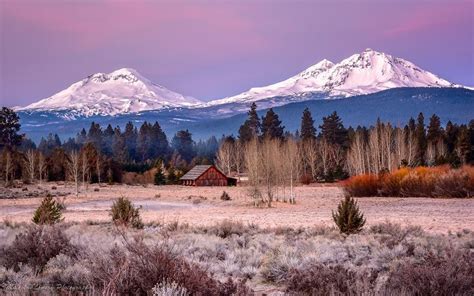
(364,73)
(118,92)
(126,91)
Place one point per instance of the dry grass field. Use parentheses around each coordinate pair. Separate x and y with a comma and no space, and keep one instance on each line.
(203,206)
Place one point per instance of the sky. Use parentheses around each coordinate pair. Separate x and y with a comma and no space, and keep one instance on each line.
(214,49)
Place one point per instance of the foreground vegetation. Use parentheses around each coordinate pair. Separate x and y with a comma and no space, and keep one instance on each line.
(233,258)
(417,182)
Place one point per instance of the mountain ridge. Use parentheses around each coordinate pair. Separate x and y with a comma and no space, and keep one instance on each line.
(126,91)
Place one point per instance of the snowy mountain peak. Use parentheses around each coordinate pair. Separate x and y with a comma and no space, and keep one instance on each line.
(362,73)
(121,91)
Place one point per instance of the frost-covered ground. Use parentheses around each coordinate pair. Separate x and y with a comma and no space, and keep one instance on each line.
(384,259)
(202,206)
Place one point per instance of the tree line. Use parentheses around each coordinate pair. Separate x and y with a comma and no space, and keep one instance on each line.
(262,149)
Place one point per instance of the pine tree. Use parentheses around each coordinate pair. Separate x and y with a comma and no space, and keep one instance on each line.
(348,218)
(130,137)
(271,126)
(451,135)
(435,132)
(94,135)
(144,142)
(9,128)
(463,144)
(421,140)
(251,127)
(159,140)
(124,213)
(183,144)
(107,140)
(308,131)
(49,212)
(471,140)
(333,130)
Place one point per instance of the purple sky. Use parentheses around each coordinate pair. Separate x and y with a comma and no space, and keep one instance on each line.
(212,49)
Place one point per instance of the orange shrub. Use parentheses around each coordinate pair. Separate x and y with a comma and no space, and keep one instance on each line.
(362,185)
(439,181)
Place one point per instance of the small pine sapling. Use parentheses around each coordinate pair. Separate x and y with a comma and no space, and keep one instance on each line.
(348,218)
(49,212)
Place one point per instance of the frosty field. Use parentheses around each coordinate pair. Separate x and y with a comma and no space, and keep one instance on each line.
(203,206)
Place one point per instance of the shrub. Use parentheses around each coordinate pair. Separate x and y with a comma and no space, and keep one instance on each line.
(159,178)
(225,196)
(227,228)
(136,272)
(452,184)
(322,280)
(124,213)
(363,185)
(434,275)
(49,212)
(348,217)
(417,182)
(35,247)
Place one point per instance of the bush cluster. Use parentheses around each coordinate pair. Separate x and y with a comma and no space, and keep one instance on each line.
(415,182)
(81,259)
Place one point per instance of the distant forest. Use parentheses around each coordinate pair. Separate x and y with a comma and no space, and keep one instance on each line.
(328,152)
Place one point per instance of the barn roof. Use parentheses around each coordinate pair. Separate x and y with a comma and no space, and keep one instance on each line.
(196,172)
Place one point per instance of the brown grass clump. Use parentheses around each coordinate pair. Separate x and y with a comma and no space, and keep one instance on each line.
(416,182)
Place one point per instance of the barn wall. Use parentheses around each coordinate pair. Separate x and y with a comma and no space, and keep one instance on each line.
(211,178)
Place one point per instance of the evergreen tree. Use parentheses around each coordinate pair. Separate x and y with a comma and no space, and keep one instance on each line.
(9,128)
(435,132)
(119,149)
(144,142)
(451,135)
(94,135)
(471,137)
(107,140)
(183,144)
(333,131)
(48,145)
(308,131)
(421,140)
(251,127)
(348,218)
(271,126)
(49,212)
(160,141)
(463,146)
(130,137)
(81,137)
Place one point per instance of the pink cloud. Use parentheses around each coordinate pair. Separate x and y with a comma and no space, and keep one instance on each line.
(91,25)
(430,17)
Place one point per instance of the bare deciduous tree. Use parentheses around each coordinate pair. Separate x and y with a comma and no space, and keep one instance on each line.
(42,165)
(292,160)
(224,156)
(8,162)
(252,163)
(30,164)
(310,155)
(74,165)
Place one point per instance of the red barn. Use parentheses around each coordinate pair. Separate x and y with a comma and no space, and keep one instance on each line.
(206,175)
